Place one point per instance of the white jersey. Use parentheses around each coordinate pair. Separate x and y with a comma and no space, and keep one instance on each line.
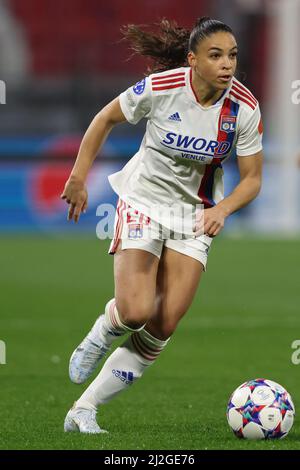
(180,158)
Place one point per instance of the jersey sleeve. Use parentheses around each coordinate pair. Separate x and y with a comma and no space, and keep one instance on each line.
(136,101)
(249,140)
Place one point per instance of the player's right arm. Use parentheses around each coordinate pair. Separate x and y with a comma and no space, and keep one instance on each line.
(75,192)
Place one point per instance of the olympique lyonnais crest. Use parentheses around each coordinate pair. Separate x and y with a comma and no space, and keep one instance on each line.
(135,231)
(228,123)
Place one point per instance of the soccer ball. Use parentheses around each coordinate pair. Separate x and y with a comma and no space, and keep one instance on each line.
(260,409)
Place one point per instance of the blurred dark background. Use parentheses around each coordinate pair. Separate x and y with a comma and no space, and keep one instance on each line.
(62,62)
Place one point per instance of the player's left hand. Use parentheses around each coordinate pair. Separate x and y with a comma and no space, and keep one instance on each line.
(209,221)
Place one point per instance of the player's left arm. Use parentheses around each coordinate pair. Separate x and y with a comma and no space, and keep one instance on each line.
(250,169)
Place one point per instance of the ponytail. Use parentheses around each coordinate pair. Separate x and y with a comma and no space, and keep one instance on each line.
(168,48)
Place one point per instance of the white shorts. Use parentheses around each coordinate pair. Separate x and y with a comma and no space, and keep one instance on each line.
(133,229)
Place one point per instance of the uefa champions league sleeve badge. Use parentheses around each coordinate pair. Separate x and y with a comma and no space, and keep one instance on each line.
(139,87)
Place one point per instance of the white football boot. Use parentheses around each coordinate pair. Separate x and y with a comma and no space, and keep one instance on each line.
(88,354)
(81,420)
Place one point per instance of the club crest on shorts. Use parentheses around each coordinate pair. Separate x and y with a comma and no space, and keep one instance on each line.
(135,231)
(228,123)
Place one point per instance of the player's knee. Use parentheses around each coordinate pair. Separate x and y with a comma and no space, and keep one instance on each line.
(164,322)
(134,314)
(163,330)
(167,329)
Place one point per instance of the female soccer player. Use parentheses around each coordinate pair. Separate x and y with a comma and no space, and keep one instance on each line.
(197,112)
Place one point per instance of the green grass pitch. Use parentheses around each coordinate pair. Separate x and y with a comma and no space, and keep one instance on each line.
(240,326)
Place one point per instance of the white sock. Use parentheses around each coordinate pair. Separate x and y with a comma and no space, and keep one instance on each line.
(112,328)
(125,365)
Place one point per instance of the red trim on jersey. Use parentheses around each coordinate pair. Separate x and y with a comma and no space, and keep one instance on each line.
(245,92)
(241,98)
(222,135)
(171,75)
(206,186)
(191,76)
(244,88)
(208,174)
(248,97)
(165,82)
(168,87)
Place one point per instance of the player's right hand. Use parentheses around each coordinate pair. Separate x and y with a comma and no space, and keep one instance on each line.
(76,195)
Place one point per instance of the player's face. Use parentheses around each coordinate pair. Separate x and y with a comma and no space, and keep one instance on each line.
(215,60)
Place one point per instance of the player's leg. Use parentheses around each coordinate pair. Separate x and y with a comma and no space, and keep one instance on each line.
(135,273)
(177,281)
(135,283)
(181,266)
(130,308)
(135,289)
(133,357)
